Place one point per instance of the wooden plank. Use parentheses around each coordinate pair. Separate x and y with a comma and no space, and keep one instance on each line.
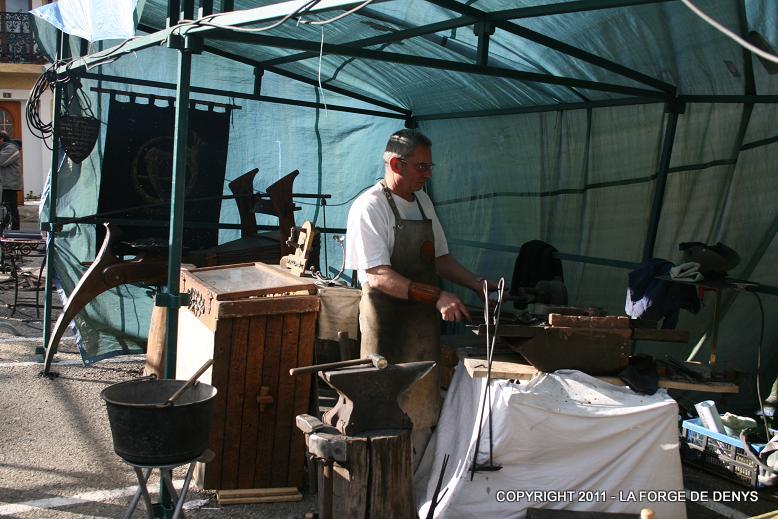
(248,436)
(257,492)
(268,306)
(507,370)
(219,379)
(502,369)
(646,334)
(267,418)
(585,321)
(512,330)
(241,280)
(703,387)
(288,495)
(285,409)
(302,394)
(349,486)
(236,393)
(391,476)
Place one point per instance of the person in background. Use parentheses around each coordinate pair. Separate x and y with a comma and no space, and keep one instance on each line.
(10,175)
(395,241)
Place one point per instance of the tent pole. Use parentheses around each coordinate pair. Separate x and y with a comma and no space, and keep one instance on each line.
(661,179)
(51,226)
(171,299)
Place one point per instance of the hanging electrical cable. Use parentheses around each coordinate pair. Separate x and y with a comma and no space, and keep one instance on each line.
(756,50)
(342,15)
(46,81)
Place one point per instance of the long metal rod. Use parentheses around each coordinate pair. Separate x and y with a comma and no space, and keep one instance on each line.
(52,199)
(758,143)
(606,262)
(627,101)
(560,255)
(178,193)
(729,99)
(435,63)
(661,182)
(238,95)
(393,37)
(567,8)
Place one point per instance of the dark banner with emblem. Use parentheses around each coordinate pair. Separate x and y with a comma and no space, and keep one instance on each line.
(137,170)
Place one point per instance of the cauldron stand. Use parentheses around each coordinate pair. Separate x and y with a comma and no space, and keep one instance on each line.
(143,472)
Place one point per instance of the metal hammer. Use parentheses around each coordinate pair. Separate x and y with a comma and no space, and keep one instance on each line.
(376,360)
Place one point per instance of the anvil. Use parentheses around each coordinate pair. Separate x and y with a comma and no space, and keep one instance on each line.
(368,397)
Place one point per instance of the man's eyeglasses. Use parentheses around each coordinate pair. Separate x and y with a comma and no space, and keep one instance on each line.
(420,166)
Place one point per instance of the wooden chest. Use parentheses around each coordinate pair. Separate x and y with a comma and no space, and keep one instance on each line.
(256,321)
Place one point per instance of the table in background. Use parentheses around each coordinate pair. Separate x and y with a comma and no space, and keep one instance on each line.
(15,246)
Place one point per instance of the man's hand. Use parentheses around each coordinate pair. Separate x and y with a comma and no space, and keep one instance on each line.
(451,308)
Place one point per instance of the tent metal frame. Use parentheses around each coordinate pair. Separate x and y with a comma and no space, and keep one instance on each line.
(189,40)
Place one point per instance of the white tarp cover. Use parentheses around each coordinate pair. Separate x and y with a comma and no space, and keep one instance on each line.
(567,434)
(92,20)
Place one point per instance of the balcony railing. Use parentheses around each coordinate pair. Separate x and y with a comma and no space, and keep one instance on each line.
(17,42)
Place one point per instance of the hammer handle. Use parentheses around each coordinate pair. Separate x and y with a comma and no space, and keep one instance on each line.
(329,365)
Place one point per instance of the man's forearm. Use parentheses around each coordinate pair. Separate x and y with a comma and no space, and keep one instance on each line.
(388,281)
(450,269)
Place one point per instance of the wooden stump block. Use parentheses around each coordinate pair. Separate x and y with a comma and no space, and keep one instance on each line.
(155,347)
(378,478)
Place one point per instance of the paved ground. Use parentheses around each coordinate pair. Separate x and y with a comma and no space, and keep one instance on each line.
(56,456)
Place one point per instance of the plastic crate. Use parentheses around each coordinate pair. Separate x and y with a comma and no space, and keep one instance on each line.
(720,454)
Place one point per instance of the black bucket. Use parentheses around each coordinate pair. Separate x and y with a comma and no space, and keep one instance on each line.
(147,432)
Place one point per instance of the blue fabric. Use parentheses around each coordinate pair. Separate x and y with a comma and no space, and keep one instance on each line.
(656,299)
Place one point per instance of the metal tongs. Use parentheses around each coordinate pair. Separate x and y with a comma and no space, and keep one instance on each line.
(492,320)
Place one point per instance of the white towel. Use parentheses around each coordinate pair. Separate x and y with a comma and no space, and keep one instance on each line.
(687,272)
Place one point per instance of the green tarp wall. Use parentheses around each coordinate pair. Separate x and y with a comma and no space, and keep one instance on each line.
(516,159)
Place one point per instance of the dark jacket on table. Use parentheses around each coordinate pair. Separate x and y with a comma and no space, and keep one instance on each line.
(654,299)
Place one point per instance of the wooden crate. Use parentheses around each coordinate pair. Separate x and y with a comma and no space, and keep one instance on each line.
(245,318)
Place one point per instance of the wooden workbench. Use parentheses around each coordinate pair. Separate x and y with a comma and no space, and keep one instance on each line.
(506,369)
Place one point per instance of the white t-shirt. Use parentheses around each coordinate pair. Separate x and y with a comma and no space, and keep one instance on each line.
(370,228)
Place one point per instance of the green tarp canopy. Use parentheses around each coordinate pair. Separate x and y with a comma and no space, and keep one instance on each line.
(613,130)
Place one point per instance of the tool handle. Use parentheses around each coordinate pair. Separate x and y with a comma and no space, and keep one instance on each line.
(330,365)
(192,380)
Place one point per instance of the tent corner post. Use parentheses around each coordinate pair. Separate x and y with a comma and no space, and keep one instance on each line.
(51,227)
(177,195)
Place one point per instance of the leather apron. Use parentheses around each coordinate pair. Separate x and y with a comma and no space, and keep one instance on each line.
(402,330)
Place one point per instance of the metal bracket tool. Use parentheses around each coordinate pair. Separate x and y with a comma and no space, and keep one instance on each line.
(492,322)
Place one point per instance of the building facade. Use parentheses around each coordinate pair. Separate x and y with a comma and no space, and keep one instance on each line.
(20,66)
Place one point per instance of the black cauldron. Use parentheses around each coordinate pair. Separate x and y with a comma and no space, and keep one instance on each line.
(148,432)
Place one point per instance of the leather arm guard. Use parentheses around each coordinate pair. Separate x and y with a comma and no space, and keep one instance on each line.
(423,293)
